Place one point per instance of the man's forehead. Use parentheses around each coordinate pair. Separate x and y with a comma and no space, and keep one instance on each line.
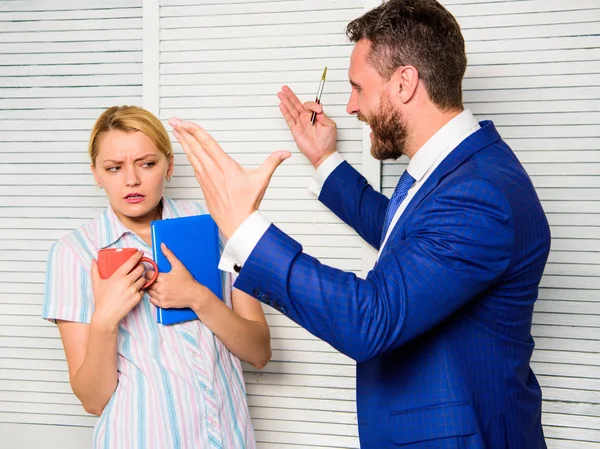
(360,65)
(361,50)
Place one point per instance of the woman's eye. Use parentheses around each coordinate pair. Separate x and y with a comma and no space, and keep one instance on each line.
(149,164)
(113,169)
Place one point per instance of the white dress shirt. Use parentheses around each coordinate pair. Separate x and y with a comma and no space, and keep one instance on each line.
(424,162)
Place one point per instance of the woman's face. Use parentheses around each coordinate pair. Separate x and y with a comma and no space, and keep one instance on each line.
(132,171)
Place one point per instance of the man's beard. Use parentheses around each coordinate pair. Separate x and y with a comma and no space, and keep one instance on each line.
(390,134)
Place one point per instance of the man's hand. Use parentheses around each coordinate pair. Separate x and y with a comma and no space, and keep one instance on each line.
(232,192)
(317,142)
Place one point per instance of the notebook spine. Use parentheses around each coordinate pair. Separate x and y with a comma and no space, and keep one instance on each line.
(155,257)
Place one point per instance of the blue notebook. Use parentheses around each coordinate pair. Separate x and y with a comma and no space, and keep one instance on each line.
(195,242)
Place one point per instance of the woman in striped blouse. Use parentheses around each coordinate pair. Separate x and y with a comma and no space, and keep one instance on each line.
(153,386)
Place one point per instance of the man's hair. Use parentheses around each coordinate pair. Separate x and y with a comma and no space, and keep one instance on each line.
(420,33)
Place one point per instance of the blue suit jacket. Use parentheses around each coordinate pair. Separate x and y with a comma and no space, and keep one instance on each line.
(440,329)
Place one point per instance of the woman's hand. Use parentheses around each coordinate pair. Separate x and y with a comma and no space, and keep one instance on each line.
(116,296)
(177,288)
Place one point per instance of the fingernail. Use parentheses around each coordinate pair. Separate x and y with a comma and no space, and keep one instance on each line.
(174,121)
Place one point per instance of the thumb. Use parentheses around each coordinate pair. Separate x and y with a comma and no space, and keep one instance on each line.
(94,272)
(174,261)
(268,167)
(324,120)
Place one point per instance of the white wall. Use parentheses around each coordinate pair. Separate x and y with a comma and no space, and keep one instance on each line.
(533,70)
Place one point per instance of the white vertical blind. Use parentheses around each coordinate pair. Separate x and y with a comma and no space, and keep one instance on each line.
(534,69)
(221,64)
(61,64)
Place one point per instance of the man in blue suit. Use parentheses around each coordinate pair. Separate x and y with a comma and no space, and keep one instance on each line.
(440,329)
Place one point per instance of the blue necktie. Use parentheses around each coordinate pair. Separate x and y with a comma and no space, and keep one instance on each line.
(406,181)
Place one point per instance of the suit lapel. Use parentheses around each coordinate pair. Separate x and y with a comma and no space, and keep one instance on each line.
(477,141)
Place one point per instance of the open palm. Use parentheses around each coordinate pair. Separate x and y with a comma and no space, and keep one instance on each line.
(316,141)
(232,192)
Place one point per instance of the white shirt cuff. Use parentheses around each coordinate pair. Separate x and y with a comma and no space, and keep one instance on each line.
(242,242)
(322,173)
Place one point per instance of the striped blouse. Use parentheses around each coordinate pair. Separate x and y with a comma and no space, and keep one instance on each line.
(178,386)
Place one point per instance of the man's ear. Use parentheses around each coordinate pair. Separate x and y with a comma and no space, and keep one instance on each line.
(405,81)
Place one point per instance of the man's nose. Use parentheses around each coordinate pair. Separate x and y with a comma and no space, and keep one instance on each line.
(352,106)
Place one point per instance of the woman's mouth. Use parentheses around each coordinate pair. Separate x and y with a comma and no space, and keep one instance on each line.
(134,198)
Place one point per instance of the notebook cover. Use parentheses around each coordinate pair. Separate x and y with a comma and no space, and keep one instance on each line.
(195,242)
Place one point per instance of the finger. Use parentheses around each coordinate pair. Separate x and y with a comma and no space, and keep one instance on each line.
(136,274)
(139,283)
(313,106)
(155,301)
(195,152)
(94,271)
(198,178)
(293,99)
(188,144)
(152,291)
(271,163)
(193,160)
(173,260)
(288,106)
(175,122)
(206,142)
(183,143)
(129,264)
(149,274)
(324,120)
(289,120)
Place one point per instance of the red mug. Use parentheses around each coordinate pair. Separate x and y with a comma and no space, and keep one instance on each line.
(110,259)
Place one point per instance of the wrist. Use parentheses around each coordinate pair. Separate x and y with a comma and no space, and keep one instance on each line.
(317,163)
(201,298)
(104,325)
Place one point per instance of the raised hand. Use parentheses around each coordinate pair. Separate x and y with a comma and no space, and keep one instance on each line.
(316,142)
(116,296)
(232,192)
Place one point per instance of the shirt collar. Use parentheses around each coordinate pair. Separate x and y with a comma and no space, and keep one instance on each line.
(449,135)
(111,228)
(170,209)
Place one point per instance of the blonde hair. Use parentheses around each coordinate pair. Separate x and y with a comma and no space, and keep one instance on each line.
(129,119)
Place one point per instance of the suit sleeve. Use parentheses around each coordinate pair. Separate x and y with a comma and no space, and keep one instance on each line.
(458,246)
(348,195)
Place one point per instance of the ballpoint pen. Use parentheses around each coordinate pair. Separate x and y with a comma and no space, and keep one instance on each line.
(318,100)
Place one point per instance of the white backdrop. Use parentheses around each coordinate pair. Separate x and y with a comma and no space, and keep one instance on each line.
(533,69)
